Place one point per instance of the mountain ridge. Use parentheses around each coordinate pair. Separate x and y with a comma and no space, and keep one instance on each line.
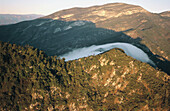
(123,7)
(6,19)
(31,80)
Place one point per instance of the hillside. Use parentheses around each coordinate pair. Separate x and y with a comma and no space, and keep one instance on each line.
(6,19)
(134,21)
(31,80)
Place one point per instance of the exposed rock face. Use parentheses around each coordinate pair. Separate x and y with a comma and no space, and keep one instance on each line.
(165,14)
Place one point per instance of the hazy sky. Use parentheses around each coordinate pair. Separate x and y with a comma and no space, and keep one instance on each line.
(46,7)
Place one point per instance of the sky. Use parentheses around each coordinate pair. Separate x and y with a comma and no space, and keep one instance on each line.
(46,7)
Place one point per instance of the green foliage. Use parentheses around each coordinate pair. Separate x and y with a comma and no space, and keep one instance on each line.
(31,80)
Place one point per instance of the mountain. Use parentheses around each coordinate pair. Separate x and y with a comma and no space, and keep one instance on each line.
(67,30)
(132,20)
(31,80)
(6,19)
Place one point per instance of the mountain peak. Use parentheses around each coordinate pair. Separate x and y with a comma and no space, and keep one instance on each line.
(98,13)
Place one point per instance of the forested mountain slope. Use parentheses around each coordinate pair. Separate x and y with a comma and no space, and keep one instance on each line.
(31,80)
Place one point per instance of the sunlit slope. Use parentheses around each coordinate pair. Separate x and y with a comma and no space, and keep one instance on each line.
(30,80)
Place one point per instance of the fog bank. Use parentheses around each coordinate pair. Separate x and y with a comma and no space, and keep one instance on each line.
(129,49)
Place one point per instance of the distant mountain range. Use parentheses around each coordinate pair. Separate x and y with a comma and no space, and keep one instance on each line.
(6,19)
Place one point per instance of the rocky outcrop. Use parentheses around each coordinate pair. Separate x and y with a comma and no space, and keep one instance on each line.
(165,14)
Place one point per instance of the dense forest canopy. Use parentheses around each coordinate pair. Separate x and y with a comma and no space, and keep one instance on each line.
(31,80)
